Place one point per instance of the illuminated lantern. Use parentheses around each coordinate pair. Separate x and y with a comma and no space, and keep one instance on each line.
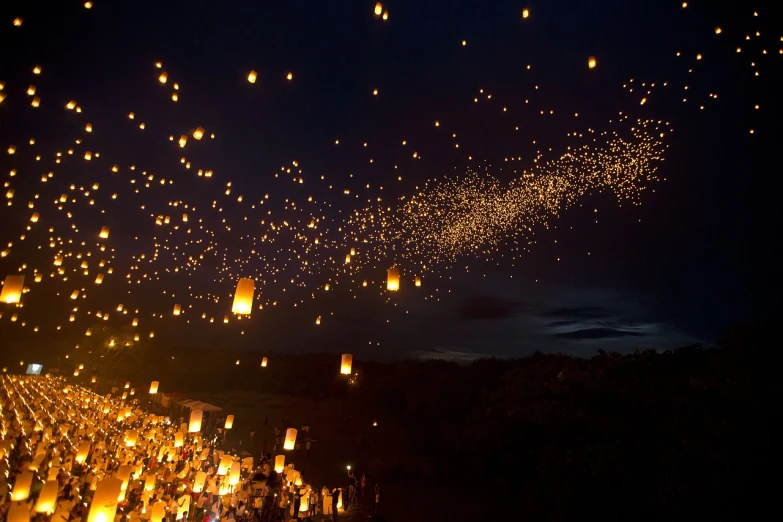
(163,77)
(130,438)
(12,289)
(345,365)
(199,481)
(88,333)
(74,294)
(183,140)
(347,259)
(21,491)
(34,217)
(340,499)
(318,320)
(304,504)
(154,387)
(243,297)
(233,474)
(378,9)
(417,281)
(251,77)
(279,463)
(525,13)
(18,513)
(58,260)
(591,62)
(104,501)
(290,439)
(264,362)
(76,372)
(158,510)
(393,279)
(47,499)
(229,422)
(198,133)
(104,233)
(177,309)
(99,279)
(224,465)
(195,421)
(123,473)
(149,482)
(84,450)
(179,439)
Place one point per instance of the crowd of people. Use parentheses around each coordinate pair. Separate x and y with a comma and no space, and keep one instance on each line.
(61,444)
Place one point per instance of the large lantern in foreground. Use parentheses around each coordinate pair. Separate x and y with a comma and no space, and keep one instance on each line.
(290,439)
(199,481)
(23,483)
(393,279)
(104,502)
(12,289)
(47,499)
(346,363)
(196,417)
(154,387)
(243,297)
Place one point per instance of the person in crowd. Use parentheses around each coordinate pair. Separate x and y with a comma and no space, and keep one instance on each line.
(377,499)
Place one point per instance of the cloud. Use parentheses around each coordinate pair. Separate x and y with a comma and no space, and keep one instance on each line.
(488,308)
(448,354)
(597,333)
(577,312)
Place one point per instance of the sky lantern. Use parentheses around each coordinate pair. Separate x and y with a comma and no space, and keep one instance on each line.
(131,437)
(264,362)
(154,387)
(12,289)
(251,76)
(99,279)
(18,512)
(104,233)
(47,499)
(179,439)
(525,12)
(84,450)
(21,491)
(229,422)
(290,439)
(591,62)
(34,217)
(393,279)
(378,9)
(417,281)
(243,297)
(177,309)
(199,481)
(224,465)
(149,482)
(182,140)
(198,133)
(74,294)
(346,363)
(289,76)
(164,76)
(104,501)
(279,463)
(234,473)
(194,426)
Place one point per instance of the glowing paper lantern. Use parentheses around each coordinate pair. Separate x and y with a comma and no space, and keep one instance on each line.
(290,439)
(154,387)
(179,439)
(243,297)
(224,465)
(84,450)
(229,422)
(233,474)
(393,279)
(21,491)
(591,62)
(345,365)
(149,482)
(264,362)
(12,289)
(47,499)
(279,463)
(18,513)
(198,133)
(417,281)
(104,501)
(251,77)
(199,481)
(378,9)
(158,511)
(130,438)
(177,309)
(196,416)
(525,13)
(104,233)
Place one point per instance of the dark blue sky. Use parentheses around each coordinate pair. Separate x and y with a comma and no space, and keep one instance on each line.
(697,257)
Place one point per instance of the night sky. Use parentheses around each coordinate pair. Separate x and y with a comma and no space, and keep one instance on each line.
(696,256)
